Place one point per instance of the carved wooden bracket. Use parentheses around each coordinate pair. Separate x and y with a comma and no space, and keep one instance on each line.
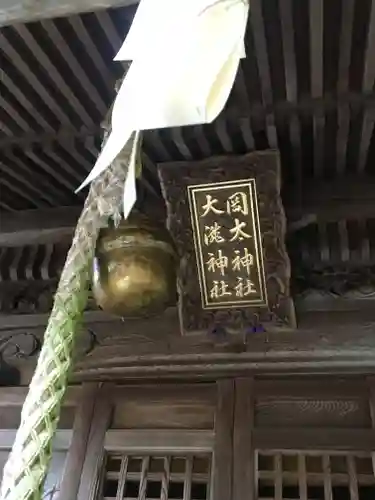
(198,197)
(345,282)
(21,345)
(30,297)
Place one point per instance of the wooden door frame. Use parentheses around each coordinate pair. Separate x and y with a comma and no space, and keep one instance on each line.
(102,439)
(234,440)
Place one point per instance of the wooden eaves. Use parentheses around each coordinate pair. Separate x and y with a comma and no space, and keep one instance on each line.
(20,11)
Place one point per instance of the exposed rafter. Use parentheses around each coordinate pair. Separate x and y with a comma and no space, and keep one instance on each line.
(63,135)
(18,11)
(348,197)
(323,202)
(38,226)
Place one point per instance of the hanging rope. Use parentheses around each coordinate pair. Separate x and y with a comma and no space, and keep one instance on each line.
(199,82)
(28,463)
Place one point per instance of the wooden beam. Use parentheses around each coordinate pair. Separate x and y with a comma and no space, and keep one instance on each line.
(311,322)
(339,343)
(324,343)
(16,321)
(343,82)
(347,197)
(15,396)
(207,368)
(22,11)
(42,226)
(316,75)
(342,198)
(285,110)
(304,105)
(20,173)
(282,438)
(159,441)
(61,441)
(68,54)
(64,135)
(29,71)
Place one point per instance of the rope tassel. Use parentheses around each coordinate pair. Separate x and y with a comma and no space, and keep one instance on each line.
(182,73)
(27,465)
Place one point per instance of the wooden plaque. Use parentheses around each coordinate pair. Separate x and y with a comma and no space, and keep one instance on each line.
(228,246)
(226,217)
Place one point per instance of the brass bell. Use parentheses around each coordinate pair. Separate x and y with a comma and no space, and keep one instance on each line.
(134,269)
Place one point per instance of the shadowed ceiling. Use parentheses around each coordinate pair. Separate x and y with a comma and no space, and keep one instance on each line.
(306,88)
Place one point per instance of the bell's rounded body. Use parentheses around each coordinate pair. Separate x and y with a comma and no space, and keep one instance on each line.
(134,270)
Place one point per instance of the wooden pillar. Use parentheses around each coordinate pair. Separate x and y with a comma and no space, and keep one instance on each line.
(223,450)
(77,451)
(244,478)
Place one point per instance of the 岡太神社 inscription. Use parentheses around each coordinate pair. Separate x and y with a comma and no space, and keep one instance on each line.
(228,244)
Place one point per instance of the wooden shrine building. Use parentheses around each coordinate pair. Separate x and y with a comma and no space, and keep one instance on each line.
(258,383)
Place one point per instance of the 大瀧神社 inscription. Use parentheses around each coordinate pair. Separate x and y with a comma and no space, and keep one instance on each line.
(228,244)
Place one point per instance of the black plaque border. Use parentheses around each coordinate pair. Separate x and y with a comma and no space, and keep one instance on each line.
(242,183)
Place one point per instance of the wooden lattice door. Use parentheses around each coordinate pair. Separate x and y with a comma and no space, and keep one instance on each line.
(308,475)
(238,439)
(154,476)
(168,442)
(306,439)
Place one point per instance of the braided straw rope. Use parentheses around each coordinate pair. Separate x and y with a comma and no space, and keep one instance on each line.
(28,463)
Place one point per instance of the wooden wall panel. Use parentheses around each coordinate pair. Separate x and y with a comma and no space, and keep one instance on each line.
(165,407)
(148,423)
(311,403)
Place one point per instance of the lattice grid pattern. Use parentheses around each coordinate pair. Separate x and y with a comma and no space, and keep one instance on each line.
(292,475)
(157,477)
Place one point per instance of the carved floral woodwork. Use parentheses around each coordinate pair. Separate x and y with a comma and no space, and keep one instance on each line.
(30,297)
(345,282)
(263,167)
(20,345)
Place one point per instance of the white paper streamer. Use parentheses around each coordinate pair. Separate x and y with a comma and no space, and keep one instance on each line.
(185,57)
(130,192)
(151,16)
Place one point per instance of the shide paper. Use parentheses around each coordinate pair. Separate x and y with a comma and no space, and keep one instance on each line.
(173,17)
(185,55)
